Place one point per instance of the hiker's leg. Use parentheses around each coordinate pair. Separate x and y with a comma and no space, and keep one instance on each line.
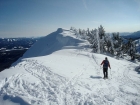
(107,72)
(104,72)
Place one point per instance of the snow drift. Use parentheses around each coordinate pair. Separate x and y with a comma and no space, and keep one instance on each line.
(60,69)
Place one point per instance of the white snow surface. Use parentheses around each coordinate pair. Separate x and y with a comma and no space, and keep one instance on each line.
(60,69)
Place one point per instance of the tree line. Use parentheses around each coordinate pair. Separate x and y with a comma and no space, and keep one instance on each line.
(101,42)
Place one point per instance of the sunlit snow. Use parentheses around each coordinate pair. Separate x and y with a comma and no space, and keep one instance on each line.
(60,69)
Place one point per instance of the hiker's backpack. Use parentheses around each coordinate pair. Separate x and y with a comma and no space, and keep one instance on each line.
(106,63)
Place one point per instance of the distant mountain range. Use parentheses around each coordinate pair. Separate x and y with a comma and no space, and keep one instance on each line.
(16,43)
(125,33)
(11,49)
(134,36)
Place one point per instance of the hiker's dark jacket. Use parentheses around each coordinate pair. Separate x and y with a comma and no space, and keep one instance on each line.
(105,66)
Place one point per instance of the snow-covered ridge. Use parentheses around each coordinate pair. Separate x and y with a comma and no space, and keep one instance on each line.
(60,69)
(52,42)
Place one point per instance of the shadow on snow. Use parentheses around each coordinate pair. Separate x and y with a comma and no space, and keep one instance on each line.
(95,77)
(15,100)
(137,69)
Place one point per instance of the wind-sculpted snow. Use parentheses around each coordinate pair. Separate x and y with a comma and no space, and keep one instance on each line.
(66,73)
(52,42)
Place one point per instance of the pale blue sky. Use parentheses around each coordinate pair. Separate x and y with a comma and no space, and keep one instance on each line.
(27,18)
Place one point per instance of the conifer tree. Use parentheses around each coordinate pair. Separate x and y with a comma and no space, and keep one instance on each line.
(108,44)
(101,32)
(117,44)
(95,41)
(131,49)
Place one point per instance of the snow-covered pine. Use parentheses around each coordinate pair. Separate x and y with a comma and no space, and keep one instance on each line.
(94,40)
(117,44)
(101,32)
(105,43)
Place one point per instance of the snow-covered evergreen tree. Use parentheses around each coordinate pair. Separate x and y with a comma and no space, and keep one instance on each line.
(102,42)
(95,41)
(109,47)
(101,32)
(88,33)
(131,48)
(117,44)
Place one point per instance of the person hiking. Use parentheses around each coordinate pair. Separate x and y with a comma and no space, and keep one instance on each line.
(106,64)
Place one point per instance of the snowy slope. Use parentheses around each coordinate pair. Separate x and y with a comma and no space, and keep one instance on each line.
(61,70)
